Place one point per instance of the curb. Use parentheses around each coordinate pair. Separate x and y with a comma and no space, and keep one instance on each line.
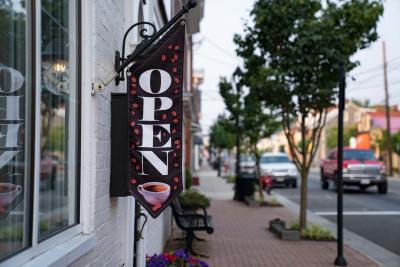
(374,252)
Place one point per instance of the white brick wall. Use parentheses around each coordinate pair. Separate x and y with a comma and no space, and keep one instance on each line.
(108,23)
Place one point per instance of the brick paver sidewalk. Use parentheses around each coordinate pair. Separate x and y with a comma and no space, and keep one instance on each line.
(241,237)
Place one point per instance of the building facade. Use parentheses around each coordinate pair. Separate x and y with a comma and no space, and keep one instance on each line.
(55,208)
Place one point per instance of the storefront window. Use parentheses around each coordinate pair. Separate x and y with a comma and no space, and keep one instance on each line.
(58,138)
(49,139)
(14,129)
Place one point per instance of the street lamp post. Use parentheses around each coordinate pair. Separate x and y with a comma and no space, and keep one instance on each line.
(340,260)
(238,72)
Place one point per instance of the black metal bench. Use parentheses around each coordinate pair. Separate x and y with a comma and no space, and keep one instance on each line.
(190,221)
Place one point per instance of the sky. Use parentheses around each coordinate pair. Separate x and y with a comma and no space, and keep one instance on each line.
(214,53)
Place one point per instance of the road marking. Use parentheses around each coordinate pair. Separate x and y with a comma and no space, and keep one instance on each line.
(358,213)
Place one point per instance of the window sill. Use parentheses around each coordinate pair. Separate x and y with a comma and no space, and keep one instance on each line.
(66,253)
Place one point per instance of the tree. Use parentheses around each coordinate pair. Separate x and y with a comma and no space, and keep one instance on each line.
(221,137)
(257,124)
(332,136)
(291,52)
(396,142)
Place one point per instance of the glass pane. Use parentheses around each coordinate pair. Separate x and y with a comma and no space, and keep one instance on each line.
(14,127)
(58,138)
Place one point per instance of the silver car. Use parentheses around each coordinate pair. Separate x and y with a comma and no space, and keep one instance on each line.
(279,168)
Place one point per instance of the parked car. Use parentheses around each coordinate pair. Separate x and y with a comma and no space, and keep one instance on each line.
(360,168)
(279,168)
(247,166)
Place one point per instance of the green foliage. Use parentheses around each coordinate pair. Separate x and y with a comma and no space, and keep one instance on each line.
(332,136)
(193,198)
(396,142)
(313,232)
(56,139)
(366,103)
(230,178)
(222,134)
(188,179)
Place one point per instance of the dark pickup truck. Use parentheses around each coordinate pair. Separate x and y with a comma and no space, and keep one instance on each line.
(360,168)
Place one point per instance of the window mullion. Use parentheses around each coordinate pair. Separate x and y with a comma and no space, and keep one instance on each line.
(37,128)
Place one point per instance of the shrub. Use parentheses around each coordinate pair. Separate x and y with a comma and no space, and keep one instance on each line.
(192,198)
(176,258)
(313,232)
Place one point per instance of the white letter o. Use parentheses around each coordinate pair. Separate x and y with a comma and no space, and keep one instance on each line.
(145,79)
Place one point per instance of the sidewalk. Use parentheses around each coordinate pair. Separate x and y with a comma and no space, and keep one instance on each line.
(241,237)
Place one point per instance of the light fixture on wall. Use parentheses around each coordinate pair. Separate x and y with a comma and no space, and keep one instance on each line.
(55,67)
(148,40)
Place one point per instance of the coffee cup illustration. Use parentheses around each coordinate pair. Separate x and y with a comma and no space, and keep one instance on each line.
(8,192)
(155,193)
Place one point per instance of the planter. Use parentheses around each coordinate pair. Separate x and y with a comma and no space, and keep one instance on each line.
(277,226)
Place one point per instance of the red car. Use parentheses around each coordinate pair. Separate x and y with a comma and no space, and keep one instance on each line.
(360,168)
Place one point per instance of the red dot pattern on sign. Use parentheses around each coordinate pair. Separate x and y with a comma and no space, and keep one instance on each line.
(174,70)
(176,91)
(176,164)
(133,181)
(176,120)
(177,142)
(133,79)
(133,160)
(158,206)
(173,131)
(163,57)
(133,85)
(136,131)
(137,167)
(174,154)
(133,112)
(135,105)
(133,123)
(175,187)
(178,147)
(172,60)
(170,47)
(174,113)
(176,79)
(154,208)
(133,92)
(164,116)
(176,179)
(133,146)
(176,47)
(137,143)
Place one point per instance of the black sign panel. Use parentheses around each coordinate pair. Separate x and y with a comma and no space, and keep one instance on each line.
(155,123)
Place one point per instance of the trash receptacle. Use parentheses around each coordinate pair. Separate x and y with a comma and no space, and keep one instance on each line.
(245,187)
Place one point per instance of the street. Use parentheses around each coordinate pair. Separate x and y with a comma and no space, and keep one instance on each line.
(371,215)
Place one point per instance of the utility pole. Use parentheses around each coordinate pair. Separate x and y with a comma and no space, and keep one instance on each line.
(387,108)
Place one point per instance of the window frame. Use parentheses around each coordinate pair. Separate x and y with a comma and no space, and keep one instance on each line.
(36,248)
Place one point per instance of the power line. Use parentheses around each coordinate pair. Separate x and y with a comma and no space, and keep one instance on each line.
(223,50)
(217,60)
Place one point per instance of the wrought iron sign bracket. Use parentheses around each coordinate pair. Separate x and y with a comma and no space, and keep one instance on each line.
(148,39)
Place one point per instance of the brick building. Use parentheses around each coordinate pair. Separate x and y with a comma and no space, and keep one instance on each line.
(55,135)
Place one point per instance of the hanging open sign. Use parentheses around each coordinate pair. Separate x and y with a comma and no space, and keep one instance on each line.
(155,123)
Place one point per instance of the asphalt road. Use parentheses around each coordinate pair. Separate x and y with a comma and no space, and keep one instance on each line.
(374,216)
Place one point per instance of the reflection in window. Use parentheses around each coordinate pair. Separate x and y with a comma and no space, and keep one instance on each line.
(57,197)
(14,168)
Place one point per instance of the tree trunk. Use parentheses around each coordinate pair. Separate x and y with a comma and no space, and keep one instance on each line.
(303,199)
(258,177)
(304,173)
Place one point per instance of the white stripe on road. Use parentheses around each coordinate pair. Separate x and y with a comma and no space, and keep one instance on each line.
(358,213)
